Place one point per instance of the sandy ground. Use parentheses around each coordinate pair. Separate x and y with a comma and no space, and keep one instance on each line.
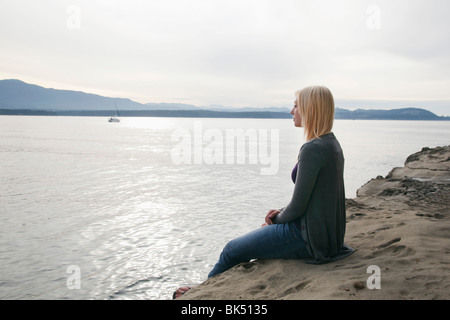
(400,228)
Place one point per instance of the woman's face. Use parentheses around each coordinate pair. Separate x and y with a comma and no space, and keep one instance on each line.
(296,113)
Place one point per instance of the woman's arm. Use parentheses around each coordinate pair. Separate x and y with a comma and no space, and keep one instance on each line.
(309,164)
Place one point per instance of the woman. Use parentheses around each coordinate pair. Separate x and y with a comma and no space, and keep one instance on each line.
(312,225)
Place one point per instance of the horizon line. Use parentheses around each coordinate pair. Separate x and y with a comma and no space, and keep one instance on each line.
(351,101)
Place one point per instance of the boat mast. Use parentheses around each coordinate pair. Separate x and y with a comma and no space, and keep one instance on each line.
(117,109)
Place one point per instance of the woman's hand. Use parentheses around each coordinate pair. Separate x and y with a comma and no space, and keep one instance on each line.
(270,215)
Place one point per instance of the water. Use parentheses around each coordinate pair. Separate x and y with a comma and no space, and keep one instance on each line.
(106,206)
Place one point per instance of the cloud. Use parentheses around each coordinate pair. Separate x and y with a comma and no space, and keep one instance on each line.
(239,53)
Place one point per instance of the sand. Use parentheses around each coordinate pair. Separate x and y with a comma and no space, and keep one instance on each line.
(400,228)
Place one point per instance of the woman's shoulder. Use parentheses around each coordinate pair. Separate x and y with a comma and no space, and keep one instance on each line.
(319,145)
(320,142)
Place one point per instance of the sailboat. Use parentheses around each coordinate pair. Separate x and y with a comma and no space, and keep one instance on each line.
(114,117)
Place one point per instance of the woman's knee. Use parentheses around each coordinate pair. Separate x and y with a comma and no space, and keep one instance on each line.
(227,251)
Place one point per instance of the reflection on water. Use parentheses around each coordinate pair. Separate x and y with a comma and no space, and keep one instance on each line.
(107,197)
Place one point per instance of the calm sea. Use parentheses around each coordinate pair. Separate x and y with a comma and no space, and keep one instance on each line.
(132,210)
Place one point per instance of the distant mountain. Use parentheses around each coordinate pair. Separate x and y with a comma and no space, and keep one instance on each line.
(394,114)
(18,97)
(170,106)
(231,109)
(16,94)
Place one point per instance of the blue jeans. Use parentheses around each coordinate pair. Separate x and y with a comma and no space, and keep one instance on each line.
(275,241)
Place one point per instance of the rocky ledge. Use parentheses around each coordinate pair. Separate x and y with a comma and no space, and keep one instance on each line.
(400,228)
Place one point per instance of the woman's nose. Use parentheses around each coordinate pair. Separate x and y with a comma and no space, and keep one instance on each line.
(292,111)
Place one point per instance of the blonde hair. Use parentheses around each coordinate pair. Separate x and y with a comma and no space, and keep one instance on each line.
(316,108)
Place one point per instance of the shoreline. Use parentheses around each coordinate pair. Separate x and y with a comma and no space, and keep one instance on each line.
(399,226)
(341,114)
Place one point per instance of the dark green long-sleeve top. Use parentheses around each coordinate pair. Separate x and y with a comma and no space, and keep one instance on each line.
(317,206)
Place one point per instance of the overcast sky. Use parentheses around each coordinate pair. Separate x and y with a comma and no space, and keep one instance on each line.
(233,53)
